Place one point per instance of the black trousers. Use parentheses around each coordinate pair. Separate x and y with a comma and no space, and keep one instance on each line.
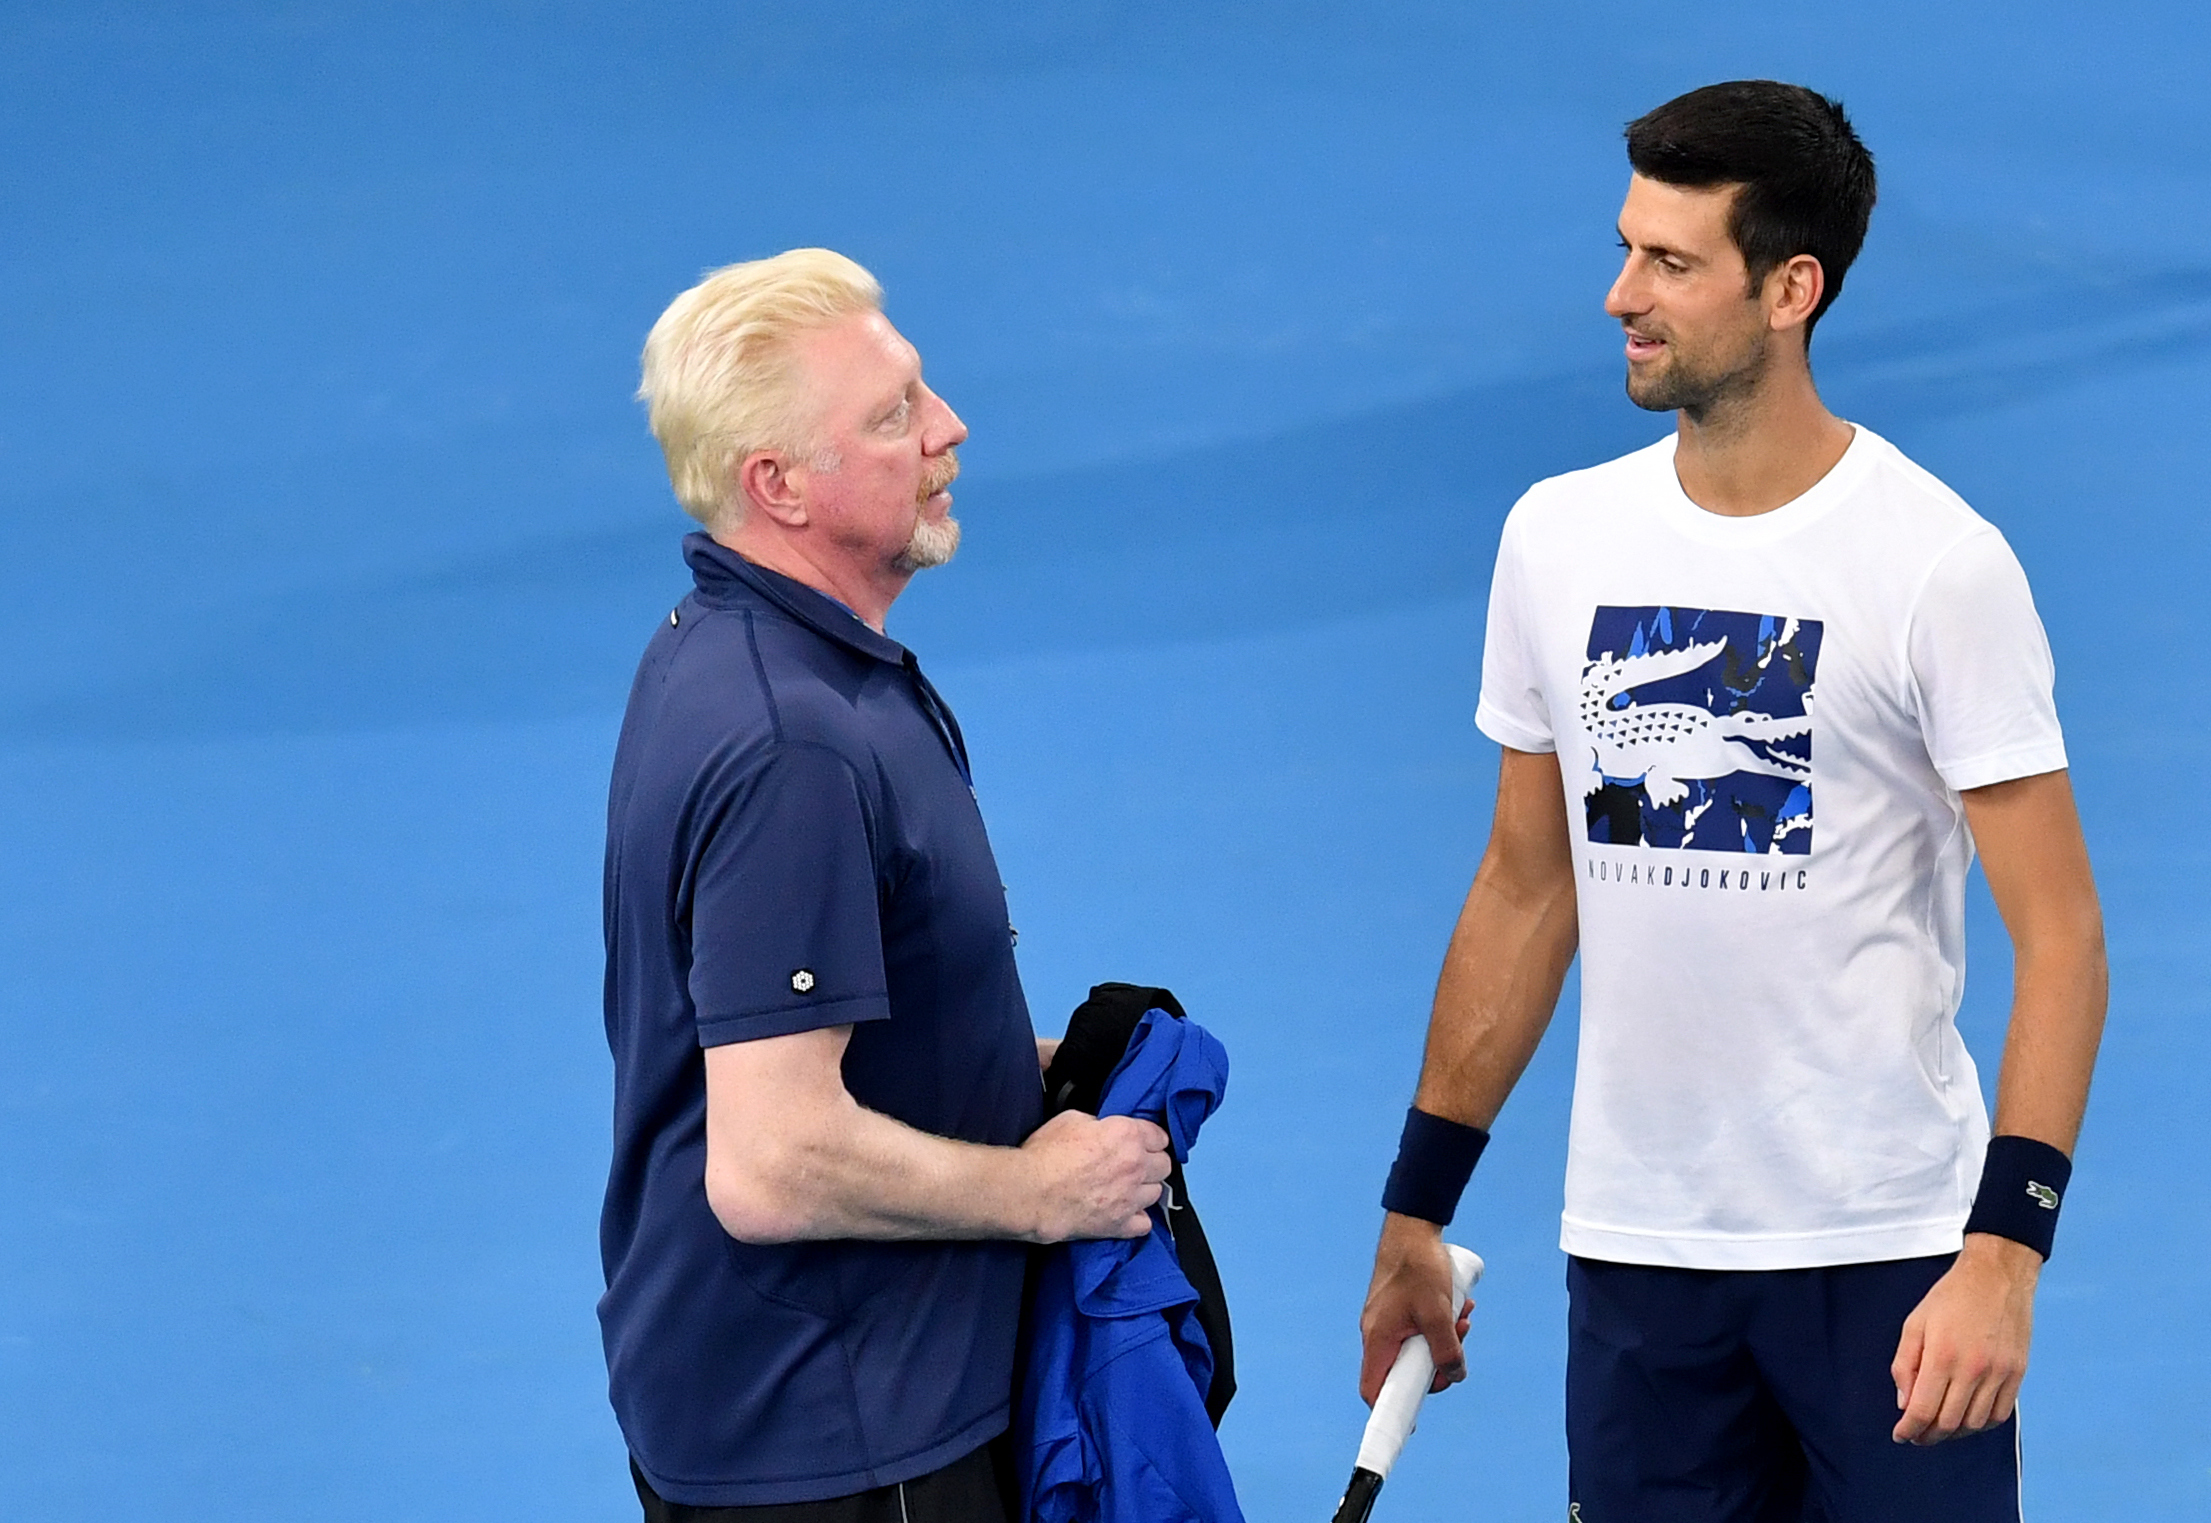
(977,1488)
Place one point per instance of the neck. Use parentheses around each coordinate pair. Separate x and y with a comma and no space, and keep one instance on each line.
(869,595)
(1750,454)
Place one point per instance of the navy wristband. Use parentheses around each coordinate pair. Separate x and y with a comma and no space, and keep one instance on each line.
(1435,1158)
(2022,1185)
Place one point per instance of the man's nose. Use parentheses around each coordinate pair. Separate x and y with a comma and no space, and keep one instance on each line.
(945,429)
(1625,299)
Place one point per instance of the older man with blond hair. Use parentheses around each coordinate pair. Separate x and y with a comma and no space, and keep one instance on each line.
(827,1149)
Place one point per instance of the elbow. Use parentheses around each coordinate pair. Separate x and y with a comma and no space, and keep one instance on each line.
(2069,945)
(755,1199)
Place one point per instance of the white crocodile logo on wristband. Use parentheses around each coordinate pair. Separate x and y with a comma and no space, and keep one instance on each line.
(2044,1196)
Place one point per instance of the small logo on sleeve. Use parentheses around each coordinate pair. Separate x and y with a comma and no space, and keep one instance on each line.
(2044,1196)
(802,982)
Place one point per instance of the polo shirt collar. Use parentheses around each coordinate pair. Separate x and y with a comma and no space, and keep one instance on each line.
(721,571)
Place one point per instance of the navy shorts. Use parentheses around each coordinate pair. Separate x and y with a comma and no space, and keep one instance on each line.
(1760,1396)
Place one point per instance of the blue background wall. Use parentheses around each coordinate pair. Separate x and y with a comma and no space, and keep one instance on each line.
(329,534)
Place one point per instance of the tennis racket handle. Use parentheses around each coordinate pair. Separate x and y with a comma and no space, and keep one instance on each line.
(1358,1498)
(1398,1407)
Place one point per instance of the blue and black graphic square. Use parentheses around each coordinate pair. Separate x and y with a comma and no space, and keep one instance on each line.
(1698,724)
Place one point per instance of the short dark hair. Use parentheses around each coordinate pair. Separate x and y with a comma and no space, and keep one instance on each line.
(1807,182)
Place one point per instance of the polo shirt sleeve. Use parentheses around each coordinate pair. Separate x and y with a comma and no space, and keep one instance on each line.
(1981,665)
(1512,711)
(786,930)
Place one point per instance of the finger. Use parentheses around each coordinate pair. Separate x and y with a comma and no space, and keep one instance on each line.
(1444,1345)
(1448,1352)
(2007,1400)
(1155,1138)
(1928,1389)
(1374,1365)
(1980,1411)
(1904,1368)
(1957,1400)
(1139,1225)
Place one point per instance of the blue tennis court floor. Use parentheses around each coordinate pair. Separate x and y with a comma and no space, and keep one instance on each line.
(329,536)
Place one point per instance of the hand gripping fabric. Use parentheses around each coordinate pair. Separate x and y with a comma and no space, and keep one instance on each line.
(1088,1055)
(1111,1424)
(1097,1038)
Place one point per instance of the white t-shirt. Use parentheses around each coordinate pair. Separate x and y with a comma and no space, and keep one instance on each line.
(1763,724)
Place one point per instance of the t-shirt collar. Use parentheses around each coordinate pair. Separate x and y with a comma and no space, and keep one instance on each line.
(1766,528)
(719,570)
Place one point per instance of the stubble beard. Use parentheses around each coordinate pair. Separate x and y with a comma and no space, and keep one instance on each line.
(1701,390)
(932,544)
(934,541)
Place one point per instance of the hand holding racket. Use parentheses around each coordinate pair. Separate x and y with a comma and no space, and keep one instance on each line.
(1398,1406)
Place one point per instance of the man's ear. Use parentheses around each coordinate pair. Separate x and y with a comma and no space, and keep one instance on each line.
(765,486)
(1793,290)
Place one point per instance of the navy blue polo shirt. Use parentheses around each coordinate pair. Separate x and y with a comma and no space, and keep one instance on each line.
(792,843)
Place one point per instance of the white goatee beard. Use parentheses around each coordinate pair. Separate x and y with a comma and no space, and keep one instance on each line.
(932,544)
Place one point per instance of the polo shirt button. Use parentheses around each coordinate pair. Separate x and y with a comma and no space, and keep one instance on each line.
(803,981)
(672,618)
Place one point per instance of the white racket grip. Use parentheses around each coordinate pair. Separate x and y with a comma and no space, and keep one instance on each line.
(1398,1407)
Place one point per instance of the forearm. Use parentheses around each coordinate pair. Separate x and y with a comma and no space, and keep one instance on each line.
(844,1171)
(1500,983)
(2036,861)
(2057,1021)
(792,1156)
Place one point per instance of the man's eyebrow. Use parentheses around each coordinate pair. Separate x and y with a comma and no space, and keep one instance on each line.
(1657,250)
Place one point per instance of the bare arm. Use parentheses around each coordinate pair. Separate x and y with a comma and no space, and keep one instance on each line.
(1964,1350)
(790,1155)
(1499,985)
(2029,837)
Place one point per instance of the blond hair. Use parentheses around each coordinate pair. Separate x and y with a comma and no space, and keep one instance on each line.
(718,380)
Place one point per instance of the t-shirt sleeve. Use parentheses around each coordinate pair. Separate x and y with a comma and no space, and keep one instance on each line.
(1982,667)
(786,931)
(1512,711)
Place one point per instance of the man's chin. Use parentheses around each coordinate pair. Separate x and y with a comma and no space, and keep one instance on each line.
(1652,393)
(933,543)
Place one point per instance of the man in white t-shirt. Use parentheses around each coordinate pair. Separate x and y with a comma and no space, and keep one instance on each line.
(1763,689)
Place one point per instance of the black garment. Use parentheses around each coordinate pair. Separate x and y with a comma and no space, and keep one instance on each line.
(976,1488)
(1097,1035)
